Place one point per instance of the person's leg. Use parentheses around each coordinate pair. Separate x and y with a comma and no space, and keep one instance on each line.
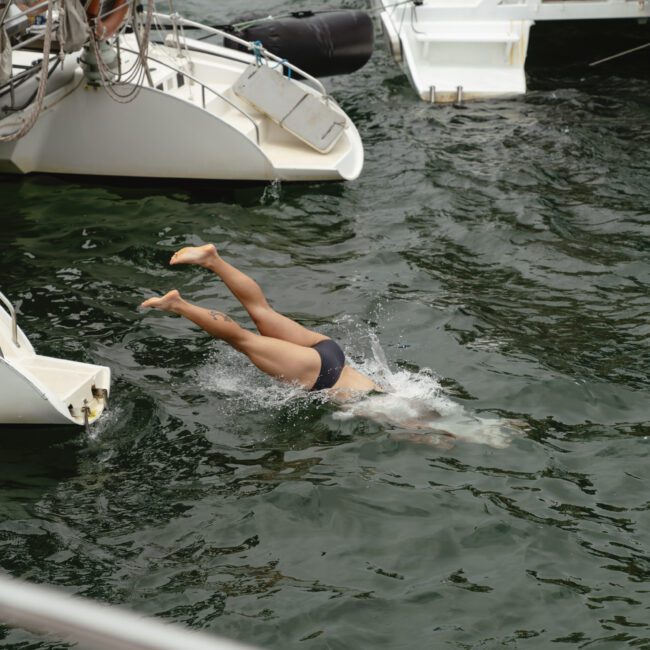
(279,358)
(268,321)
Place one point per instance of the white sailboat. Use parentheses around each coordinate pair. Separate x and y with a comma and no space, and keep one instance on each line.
(36,389)
(129,104)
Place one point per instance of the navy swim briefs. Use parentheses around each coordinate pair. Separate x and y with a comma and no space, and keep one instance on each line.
(332,361)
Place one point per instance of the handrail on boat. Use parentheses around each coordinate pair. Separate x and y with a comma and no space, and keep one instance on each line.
(28,10)
(204,87)
(21,12)
(4,13)
(14,322)
(29,41)
(95,625)
(173,18)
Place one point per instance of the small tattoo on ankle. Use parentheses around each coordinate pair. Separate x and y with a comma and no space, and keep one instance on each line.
(217,315)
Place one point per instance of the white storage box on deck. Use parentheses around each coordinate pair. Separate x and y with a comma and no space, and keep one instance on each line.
(289,105)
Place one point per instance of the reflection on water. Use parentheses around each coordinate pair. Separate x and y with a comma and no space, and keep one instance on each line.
(32,461)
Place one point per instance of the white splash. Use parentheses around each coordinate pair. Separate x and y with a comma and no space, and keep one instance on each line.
(271,193)
(232,375)
(109,419)
(414,403)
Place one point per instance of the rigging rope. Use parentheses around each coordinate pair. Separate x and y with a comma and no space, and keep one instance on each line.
(616,56)
(40,95)
(133,78)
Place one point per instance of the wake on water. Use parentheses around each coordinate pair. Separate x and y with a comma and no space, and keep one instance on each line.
(413,405)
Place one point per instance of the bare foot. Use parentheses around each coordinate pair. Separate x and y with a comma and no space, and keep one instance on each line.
(200,255)
(168,302)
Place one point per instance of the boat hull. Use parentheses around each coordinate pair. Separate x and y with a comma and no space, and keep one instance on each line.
(478,49)
(176,128)
(36,389)
(26,399)
(156,135)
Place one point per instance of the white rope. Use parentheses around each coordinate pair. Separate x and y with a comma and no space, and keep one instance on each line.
(616,56)
(187,50)
(40,95)
(133,78)
(143,46)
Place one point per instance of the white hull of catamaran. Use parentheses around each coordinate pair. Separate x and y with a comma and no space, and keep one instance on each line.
(186,124)
(477,49)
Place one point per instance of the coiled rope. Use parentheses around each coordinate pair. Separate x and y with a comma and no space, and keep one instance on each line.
(130,80)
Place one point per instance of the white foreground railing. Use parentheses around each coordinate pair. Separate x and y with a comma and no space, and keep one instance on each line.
(96,626)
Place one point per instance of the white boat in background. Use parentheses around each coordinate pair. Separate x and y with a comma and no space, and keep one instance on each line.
(36,389)
(129,104)
(456,50)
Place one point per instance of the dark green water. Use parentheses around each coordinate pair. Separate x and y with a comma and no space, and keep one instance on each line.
(499,256)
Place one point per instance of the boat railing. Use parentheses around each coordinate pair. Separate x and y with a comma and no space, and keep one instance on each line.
(204,87)
(95,625)
(12,314)
(4,13)
(253,47)
(36,30)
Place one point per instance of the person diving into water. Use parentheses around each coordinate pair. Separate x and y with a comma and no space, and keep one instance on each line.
(283,349)
(293,354)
